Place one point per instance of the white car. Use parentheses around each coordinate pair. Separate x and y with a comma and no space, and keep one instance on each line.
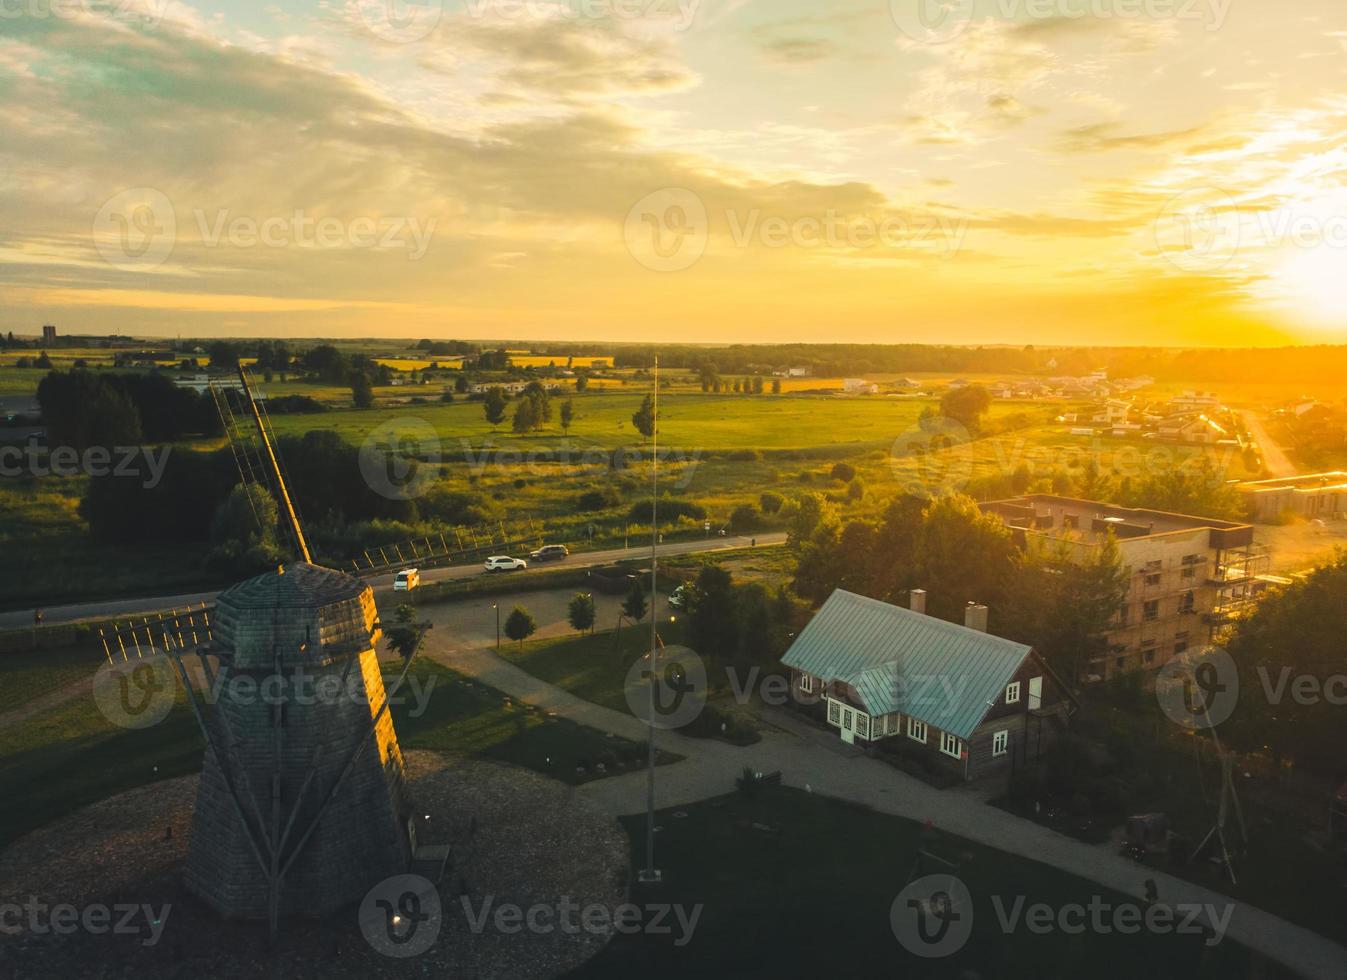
(406,580)
(503,563)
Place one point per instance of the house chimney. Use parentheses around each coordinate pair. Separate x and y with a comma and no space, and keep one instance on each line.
(917,600)
(975,617)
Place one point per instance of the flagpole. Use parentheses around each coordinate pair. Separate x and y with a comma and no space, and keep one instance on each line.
(650,874)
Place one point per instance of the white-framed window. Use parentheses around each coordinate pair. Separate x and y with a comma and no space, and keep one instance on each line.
(950,745)
(834,712)
(847,714)
(1001,743)
(916,730)
(806,683)
(1013,693)
(862,725)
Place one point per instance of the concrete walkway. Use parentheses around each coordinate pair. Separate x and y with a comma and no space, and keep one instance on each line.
(711,767)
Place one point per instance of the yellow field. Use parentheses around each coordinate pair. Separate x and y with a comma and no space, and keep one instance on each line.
(560,360)
(415,364)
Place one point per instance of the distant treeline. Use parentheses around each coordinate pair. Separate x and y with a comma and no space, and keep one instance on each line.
(84,409)
(1320,364)
(324,478)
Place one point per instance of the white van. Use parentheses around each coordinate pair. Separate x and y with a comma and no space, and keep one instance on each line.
(407,579)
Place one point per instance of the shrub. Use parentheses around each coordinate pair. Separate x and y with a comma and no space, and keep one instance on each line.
(669,510)
(843,472)
(745,517)
(294,405)
(770,502)
(601,499)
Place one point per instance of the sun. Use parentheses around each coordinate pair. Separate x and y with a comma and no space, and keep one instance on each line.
(1310,284)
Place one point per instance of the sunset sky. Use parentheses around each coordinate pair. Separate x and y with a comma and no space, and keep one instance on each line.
(1027,171)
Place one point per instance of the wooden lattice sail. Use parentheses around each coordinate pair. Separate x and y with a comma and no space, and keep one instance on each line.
(302,803)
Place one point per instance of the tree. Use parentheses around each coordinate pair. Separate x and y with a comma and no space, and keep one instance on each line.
(525,417)
(963,555)
(1188,489)
(567,415)
(967,406)
(1061,602)
(776,386)
(519,625)
(404,636)
(223,355)
(581,612)
(43,361)
(493,405)
(1294,633)
(362,395)
(82,410)
(644,417)
(243,532)
(1094,484)
(581,384)
(711,619)
(634,606)
(807,512)
(461,384)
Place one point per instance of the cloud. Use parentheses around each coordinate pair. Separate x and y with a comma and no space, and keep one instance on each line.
(1103,137)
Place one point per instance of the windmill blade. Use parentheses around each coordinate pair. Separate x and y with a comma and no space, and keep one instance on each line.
(259,464)
(175,631)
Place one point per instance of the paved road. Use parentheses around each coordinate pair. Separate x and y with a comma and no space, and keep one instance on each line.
(1275,461)
(138,607)
(814,761)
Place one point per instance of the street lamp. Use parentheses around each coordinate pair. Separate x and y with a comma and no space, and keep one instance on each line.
(496,606)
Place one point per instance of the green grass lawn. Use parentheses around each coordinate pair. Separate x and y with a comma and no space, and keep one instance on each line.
(796,885)
(26,676)
(72,756)
(50,557)
(687,420)
(590,667)
(466,717)
(596,668)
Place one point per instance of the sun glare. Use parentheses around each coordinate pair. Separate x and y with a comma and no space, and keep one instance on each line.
(1311,284)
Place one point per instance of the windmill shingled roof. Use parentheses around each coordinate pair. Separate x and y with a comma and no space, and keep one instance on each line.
(302,613)
(902,661)
(297,586)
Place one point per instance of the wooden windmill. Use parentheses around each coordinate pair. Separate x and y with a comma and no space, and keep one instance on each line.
(302,804)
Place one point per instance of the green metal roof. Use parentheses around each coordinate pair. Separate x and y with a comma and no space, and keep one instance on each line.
(898,660)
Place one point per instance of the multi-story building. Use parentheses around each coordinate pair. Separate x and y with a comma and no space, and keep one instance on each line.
(1187,576)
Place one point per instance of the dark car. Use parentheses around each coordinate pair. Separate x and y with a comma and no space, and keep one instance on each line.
(551,552)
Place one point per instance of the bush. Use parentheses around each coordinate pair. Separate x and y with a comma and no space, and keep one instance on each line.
(745,517)
(602,499)
(294,405)
(669,511)
(770,502)
(843,472)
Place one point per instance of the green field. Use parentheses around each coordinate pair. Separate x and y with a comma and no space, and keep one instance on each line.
(785,863)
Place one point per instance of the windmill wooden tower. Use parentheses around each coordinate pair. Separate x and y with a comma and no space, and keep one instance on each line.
(302,802)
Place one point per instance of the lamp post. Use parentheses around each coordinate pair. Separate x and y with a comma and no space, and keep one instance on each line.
(650,874)
(496,606)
